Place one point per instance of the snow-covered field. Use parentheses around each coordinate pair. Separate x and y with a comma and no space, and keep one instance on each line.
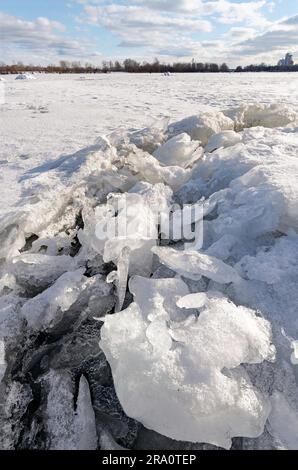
(141,340)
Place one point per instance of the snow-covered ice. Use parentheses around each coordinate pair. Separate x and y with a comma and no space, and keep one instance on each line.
(106,319)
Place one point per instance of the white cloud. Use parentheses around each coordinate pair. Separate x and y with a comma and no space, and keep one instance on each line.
(37,40)
(165,26)
(278,39)
(155,30)
(169,29)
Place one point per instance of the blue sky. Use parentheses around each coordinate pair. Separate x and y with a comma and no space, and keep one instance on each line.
(235,31)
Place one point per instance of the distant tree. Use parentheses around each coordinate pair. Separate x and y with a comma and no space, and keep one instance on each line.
(224,68)
(117,66)
(156,65)
(239,69)
(214,68)
(200,67)
(104,66)
(131,65)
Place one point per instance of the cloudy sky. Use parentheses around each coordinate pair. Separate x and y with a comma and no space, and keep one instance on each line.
(235,31)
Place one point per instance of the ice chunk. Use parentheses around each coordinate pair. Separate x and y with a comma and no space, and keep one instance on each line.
(151,137)
(294,355)
(67,429)
(161,383)
(180,150)
(192,265)
(197,300)
(12,238)
(10,320)
(46,309)
(7,281)
(3,364)
(159,336)
(202,126)
(252,115)
(107,442)
(149,169)
(158,297)
(84,421)
(283,421)
(222,139)
(223,247)
(127,221)
(38,271)
(122,276)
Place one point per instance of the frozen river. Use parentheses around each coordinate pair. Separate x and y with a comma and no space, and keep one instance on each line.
(197,342)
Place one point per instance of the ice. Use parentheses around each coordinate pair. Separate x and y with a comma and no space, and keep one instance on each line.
(7,282)
(273,115)
(107,442)
(222,139)
(149,169)
(125,229)
(283,422)
(37,271)
(10,320)
(84,421)
(197,300)
(158,297)
(3,364)
(179,150)
(192,264)
(184,380)
(11,238)
(46,309)
(69,429)
(294,355)
(202,126)
(223,247)
(191,355)
(151,137)
(15,401)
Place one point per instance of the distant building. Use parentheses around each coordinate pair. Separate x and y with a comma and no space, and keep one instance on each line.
(287,61)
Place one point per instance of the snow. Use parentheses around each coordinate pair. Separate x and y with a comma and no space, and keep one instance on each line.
(201,341)
(275,115)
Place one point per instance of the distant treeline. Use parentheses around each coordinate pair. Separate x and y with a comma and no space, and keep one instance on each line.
(267,68)
(132,66)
